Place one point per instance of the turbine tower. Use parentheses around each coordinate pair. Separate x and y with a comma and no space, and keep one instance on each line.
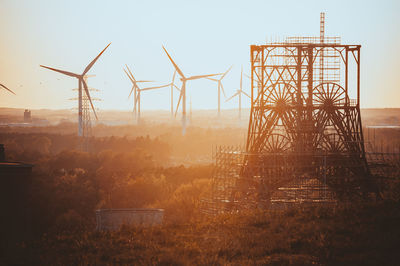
(135,90)
(182,95)
(220,88)
(239,94)
(81,80)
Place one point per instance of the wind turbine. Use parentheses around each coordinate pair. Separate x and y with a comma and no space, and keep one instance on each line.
(172,94)
(239,94)
(7,88)
(182,95)
(135,89)
(220,88)
(81,80)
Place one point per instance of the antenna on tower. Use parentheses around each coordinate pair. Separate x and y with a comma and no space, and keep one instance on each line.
(322,41)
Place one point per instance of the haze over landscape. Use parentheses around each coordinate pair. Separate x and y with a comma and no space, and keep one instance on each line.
(192,161)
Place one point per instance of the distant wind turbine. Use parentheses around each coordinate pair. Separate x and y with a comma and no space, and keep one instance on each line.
(81,81)
(136,92)
(182,95)
(239,94)
(220,88)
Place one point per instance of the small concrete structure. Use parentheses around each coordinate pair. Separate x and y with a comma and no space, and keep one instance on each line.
(113,219)
(27,116)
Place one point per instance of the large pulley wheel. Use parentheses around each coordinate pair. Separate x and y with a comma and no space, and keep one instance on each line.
(328,95)
(276,143)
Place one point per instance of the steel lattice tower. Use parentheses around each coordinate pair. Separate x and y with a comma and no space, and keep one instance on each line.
(86,120)
(296,119)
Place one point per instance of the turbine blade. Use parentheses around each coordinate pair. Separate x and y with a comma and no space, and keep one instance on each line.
(139,81)
(234,95)
(133,87)
(156,87)
(216,80)
(175,65)
(179,102)
(245,94)
(88,95)
(222,88)
(130,73)
(226,73)
(7,89)
(247,76)
(173,77)
(202,76)
(133,81)
(62,71)
(176,87)
(94,61)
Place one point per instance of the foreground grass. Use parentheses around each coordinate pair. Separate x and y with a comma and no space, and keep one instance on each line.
(357,235)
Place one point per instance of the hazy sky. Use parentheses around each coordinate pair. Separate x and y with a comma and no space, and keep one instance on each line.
(202,36)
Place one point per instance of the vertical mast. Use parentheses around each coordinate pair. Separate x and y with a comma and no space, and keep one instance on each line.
(322,41)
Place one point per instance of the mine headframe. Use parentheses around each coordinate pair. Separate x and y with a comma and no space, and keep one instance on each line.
(305,120)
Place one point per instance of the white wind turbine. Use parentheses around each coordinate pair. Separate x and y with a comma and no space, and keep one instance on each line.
(81,80)
(182,95)
(239,94)
(220,88)
(136,92)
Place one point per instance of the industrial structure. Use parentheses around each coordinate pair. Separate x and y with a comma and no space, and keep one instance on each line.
(86,119)
(27,116)
(83,123)
(305,140)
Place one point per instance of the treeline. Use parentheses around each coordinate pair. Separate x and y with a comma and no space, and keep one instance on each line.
(31,147)
(196,144)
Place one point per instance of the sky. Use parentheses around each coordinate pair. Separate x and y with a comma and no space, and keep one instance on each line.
(202,37)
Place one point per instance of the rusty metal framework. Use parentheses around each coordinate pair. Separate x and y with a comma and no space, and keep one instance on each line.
(300,125)
(289,181)
(305,141)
